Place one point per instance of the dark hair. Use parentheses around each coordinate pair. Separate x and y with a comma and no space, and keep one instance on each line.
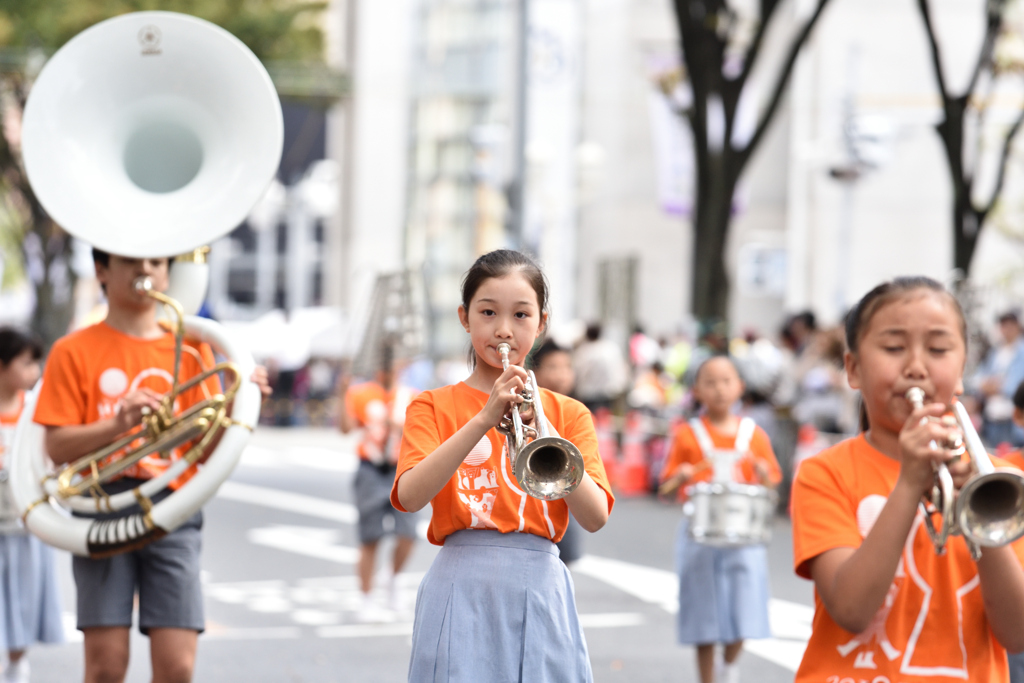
(101,257)
(546,349)
(713,356)
(860,315)
(1018,397)
(1009,317)
(500,263)
(14,342)
(593,332)
(497,264)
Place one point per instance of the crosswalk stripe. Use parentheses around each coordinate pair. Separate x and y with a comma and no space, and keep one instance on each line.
(790,621)
(289,502)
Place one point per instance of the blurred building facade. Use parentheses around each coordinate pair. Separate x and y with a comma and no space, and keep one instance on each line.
(436,132)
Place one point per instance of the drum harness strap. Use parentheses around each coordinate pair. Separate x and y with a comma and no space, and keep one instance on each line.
(741,445)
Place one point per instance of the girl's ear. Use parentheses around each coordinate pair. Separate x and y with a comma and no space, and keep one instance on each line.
(852,369)
(543,324)
(464,317)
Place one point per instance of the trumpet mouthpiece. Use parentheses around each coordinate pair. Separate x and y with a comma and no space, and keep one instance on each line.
(916,396)
(503,350)
(143,284)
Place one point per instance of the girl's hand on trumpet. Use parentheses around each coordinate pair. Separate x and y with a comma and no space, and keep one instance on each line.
(925,442)
(507,389)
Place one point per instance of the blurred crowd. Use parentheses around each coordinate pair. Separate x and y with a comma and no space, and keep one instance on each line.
(796,387)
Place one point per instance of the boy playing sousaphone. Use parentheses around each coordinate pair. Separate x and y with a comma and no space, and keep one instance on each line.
(98,384)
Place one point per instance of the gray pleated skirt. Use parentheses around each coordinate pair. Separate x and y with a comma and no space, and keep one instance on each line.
(29,597)
(498,608)
(723,592)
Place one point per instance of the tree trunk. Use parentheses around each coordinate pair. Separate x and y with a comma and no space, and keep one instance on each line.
(712,212)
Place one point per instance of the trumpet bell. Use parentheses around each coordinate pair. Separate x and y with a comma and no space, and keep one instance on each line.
(991,508)
(151,133)
(549,467)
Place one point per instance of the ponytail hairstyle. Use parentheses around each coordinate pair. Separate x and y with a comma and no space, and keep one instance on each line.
(859,317)
(497,264)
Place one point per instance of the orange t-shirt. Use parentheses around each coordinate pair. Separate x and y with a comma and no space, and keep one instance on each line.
(373,408)
(90,370)
(483,493)
(932,625)
(686,449)
(8,423)
(1015,459)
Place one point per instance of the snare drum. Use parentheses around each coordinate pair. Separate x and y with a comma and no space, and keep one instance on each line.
(728,514)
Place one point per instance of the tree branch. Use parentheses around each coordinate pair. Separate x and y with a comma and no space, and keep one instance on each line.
(995,20)
(1004,158)
(780,85)
(926,15)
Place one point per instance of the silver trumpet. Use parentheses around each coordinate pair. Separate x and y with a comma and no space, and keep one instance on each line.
(546,467)
(989,509)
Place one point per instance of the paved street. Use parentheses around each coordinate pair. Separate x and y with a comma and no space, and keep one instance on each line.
(281,596)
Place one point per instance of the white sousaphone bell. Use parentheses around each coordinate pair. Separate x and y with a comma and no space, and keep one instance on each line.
(148,135)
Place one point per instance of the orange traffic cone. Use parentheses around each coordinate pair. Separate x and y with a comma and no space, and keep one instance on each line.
(634,470)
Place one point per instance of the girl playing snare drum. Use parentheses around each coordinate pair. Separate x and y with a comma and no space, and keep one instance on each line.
(723,591)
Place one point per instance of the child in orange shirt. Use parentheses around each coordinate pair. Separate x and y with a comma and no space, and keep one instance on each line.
(888,608)
(30,609)
(97,385)
(497,604)
(723,591)
(378,407)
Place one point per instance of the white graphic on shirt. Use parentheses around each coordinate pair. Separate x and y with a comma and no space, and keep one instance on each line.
(478,486)
(113,382)
(113,385)
(479,453)
(917,670)
(867,514)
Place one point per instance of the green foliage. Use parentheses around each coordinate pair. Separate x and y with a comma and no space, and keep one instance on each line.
(273,29)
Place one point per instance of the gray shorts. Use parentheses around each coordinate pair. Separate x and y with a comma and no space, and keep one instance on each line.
(164,573)
(373,501)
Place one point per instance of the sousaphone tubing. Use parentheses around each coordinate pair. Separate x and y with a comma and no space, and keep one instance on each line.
(149,135)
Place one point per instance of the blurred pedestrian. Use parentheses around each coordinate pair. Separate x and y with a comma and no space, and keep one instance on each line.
(643,349)
(29,599)
(723,591)
(552,365)
(378,407)
(602,375)
(995,380)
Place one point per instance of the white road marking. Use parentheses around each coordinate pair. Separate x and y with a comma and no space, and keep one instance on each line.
(790,621)
(268,633)
(289,502)
(326,459)
(298,503)
(365,630)
(611,620)
(304,540)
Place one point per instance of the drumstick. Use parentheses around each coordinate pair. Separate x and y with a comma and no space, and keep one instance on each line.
(673,483)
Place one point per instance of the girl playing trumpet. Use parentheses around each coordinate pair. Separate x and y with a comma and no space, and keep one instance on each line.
(887,607)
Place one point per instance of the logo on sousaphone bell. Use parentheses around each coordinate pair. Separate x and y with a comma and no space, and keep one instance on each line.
(149,39)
